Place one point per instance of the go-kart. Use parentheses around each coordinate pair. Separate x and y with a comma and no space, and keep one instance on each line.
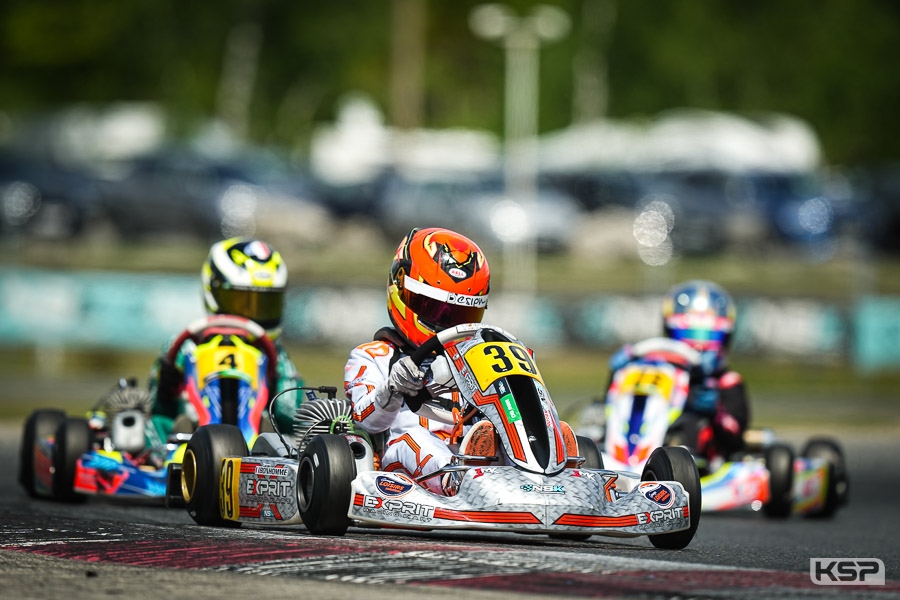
(229,371)
(533,485)
(648,395)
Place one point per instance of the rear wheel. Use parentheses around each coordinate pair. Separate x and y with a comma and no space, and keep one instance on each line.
(674,463)
(201,468)
(73,438)
(326,471)
(780,464)
(40,425)
(838,484)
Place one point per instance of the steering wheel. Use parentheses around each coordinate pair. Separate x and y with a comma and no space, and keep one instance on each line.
(423,403)
(436,343)
(246,329)
(673,351)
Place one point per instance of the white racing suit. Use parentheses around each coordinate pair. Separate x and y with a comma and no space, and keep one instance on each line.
(415,445)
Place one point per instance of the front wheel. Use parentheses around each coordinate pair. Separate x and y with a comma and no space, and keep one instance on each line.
(326,470)
(201,468)
(838,483)
(590,452)
(674,463)
(40,425)
(780,464)
(73,438)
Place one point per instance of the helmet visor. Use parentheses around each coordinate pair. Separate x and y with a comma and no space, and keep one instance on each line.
(263,307)
(704,332)
(439,309)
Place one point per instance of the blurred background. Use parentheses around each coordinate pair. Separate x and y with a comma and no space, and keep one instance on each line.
(600,151)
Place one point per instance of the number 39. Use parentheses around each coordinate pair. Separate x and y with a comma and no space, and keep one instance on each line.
(503,364)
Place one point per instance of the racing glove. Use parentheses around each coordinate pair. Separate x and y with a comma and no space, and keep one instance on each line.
(703,399)
(406,378)
(389,401)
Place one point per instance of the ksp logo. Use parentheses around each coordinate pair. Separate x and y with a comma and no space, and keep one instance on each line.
(846,571)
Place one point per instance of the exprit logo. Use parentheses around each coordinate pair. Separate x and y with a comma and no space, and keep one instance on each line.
(658,493)
(392,487)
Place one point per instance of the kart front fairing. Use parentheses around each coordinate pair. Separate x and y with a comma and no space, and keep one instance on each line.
(226,382)
(507,498)
(499,377)
(112,473)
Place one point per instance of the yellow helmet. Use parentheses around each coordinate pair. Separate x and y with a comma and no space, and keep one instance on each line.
(247,278)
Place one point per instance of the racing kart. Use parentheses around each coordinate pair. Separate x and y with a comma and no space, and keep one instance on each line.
(642,406)
(330,479)
(229,371)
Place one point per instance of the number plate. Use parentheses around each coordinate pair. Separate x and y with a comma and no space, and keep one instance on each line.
(213,357)
(229,485)
(493,360)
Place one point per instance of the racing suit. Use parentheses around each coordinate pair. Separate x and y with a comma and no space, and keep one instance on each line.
(415,445)
(716,412)
(167,383)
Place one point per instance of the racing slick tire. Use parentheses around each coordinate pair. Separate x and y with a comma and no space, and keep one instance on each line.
(73,438)
(779,460)
(39,425)
(590,452)
(201,468)
(838,484)
(674,463)
(326,471)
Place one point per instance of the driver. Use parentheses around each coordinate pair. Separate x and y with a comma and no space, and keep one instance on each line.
(438,279)
(717,411)
(241,277)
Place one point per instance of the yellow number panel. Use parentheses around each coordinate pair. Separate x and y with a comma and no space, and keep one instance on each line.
(492,360)
(229,485)
(241,358)
(647,380)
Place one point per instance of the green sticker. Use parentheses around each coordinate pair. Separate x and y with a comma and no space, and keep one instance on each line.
(510,408)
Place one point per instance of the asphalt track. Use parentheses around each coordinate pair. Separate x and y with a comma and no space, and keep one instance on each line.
(103,548)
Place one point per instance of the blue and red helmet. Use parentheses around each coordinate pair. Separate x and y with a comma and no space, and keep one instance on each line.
(701,314)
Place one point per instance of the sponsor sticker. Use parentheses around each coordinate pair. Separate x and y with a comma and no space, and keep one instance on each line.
(657,516)
(392,487)
(462,300)
(658,493)
(543,489)
(269,487)
(272,471)
(481,472)
(510,408)
(398,508)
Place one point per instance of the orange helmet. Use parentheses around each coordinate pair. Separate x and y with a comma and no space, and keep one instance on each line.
(438,279)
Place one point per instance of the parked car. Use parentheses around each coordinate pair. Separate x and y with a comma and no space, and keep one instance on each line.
(210,198)
(477,205)
(42,198)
